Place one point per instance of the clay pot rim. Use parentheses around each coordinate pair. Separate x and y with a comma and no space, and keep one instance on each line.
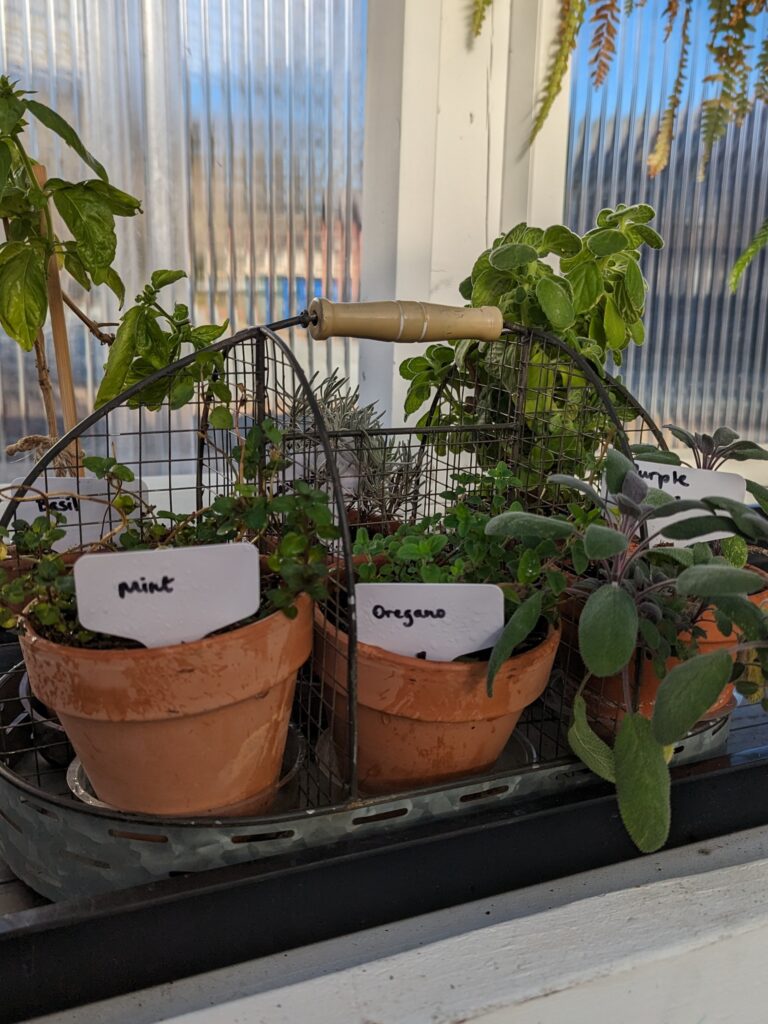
(30,636)
(453,668)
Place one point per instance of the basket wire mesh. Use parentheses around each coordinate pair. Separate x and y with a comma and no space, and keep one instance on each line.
(543,410)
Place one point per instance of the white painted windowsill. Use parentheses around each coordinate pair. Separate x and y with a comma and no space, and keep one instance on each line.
(675,937)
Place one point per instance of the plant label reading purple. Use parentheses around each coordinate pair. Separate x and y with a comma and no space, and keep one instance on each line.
(436,621)
(682,482)
(84,504)
(167,596)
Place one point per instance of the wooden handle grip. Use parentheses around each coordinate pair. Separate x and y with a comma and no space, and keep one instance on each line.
(403,321)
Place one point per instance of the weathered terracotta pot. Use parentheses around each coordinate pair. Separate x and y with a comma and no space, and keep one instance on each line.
(422,722)
(605,697)
(190,729)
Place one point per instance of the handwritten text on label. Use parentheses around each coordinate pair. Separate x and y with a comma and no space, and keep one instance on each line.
(168,596)
(438,621)
(684,482)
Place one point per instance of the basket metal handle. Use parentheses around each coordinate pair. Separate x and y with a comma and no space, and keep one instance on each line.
(403,321)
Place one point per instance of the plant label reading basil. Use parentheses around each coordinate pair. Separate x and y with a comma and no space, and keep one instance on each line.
(682,482)
(435,621)
(84,504)
(167,596)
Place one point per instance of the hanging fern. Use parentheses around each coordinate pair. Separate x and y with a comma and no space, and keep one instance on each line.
(761,64)
(671,12)
(478,12)
(729,30)
(659,158)
(760,241)
(731,44)
(603,46)
(572,14)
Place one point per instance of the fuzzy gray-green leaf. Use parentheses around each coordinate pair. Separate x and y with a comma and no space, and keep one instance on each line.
(642,783)
(520,624)
(686,692)
(607,630)
(587,745)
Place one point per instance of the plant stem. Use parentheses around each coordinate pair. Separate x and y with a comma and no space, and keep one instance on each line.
(46,388)
(37,186)
(103,336)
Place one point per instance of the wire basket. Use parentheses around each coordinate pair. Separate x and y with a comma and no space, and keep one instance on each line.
(544,410)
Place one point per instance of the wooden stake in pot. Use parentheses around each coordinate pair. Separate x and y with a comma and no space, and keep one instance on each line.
(60,341)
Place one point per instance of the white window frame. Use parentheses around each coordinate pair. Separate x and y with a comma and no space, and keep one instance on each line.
(447,166)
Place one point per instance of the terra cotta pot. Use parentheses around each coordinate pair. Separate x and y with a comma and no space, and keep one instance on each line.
(195,728)
(422,722)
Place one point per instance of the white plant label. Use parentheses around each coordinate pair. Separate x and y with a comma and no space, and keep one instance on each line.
(682,482)
(167,596)
(435,621)
(83,504)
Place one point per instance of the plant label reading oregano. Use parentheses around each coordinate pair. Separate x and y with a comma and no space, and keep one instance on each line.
(167,596)
(682,482)
(435,621)
(84,504)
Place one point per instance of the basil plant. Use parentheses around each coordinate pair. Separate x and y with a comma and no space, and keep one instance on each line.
(640,597)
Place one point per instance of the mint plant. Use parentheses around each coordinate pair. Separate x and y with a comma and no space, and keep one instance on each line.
(291,527)
(639,600)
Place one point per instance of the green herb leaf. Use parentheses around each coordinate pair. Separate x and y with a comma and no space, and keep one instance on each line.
(23,292)
(465,289)
(120,203)
(579,557)
(561,241)
(109,277)
(208,333)
(587,745)
(617,466)
(696,526)
(586,284)
(713,580)
(56,123)
(11,111)
(489,286)
(642,783)
(416,397)
(648,235)
(182,393)
(526,524)
(555,302)
(603,542)
(91,222)
(607,630)
(510,257)
(520,624)
(5,164)
(162,278)
(686,693)
(724,436)
(635,286)
(221,418)
(607,242)
(121,354)
(614,326)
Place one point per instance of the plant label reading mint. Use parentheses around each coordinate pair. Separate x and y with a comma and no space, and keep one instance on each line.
(83,504)
(683,482)
(167,596)
(436,621)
